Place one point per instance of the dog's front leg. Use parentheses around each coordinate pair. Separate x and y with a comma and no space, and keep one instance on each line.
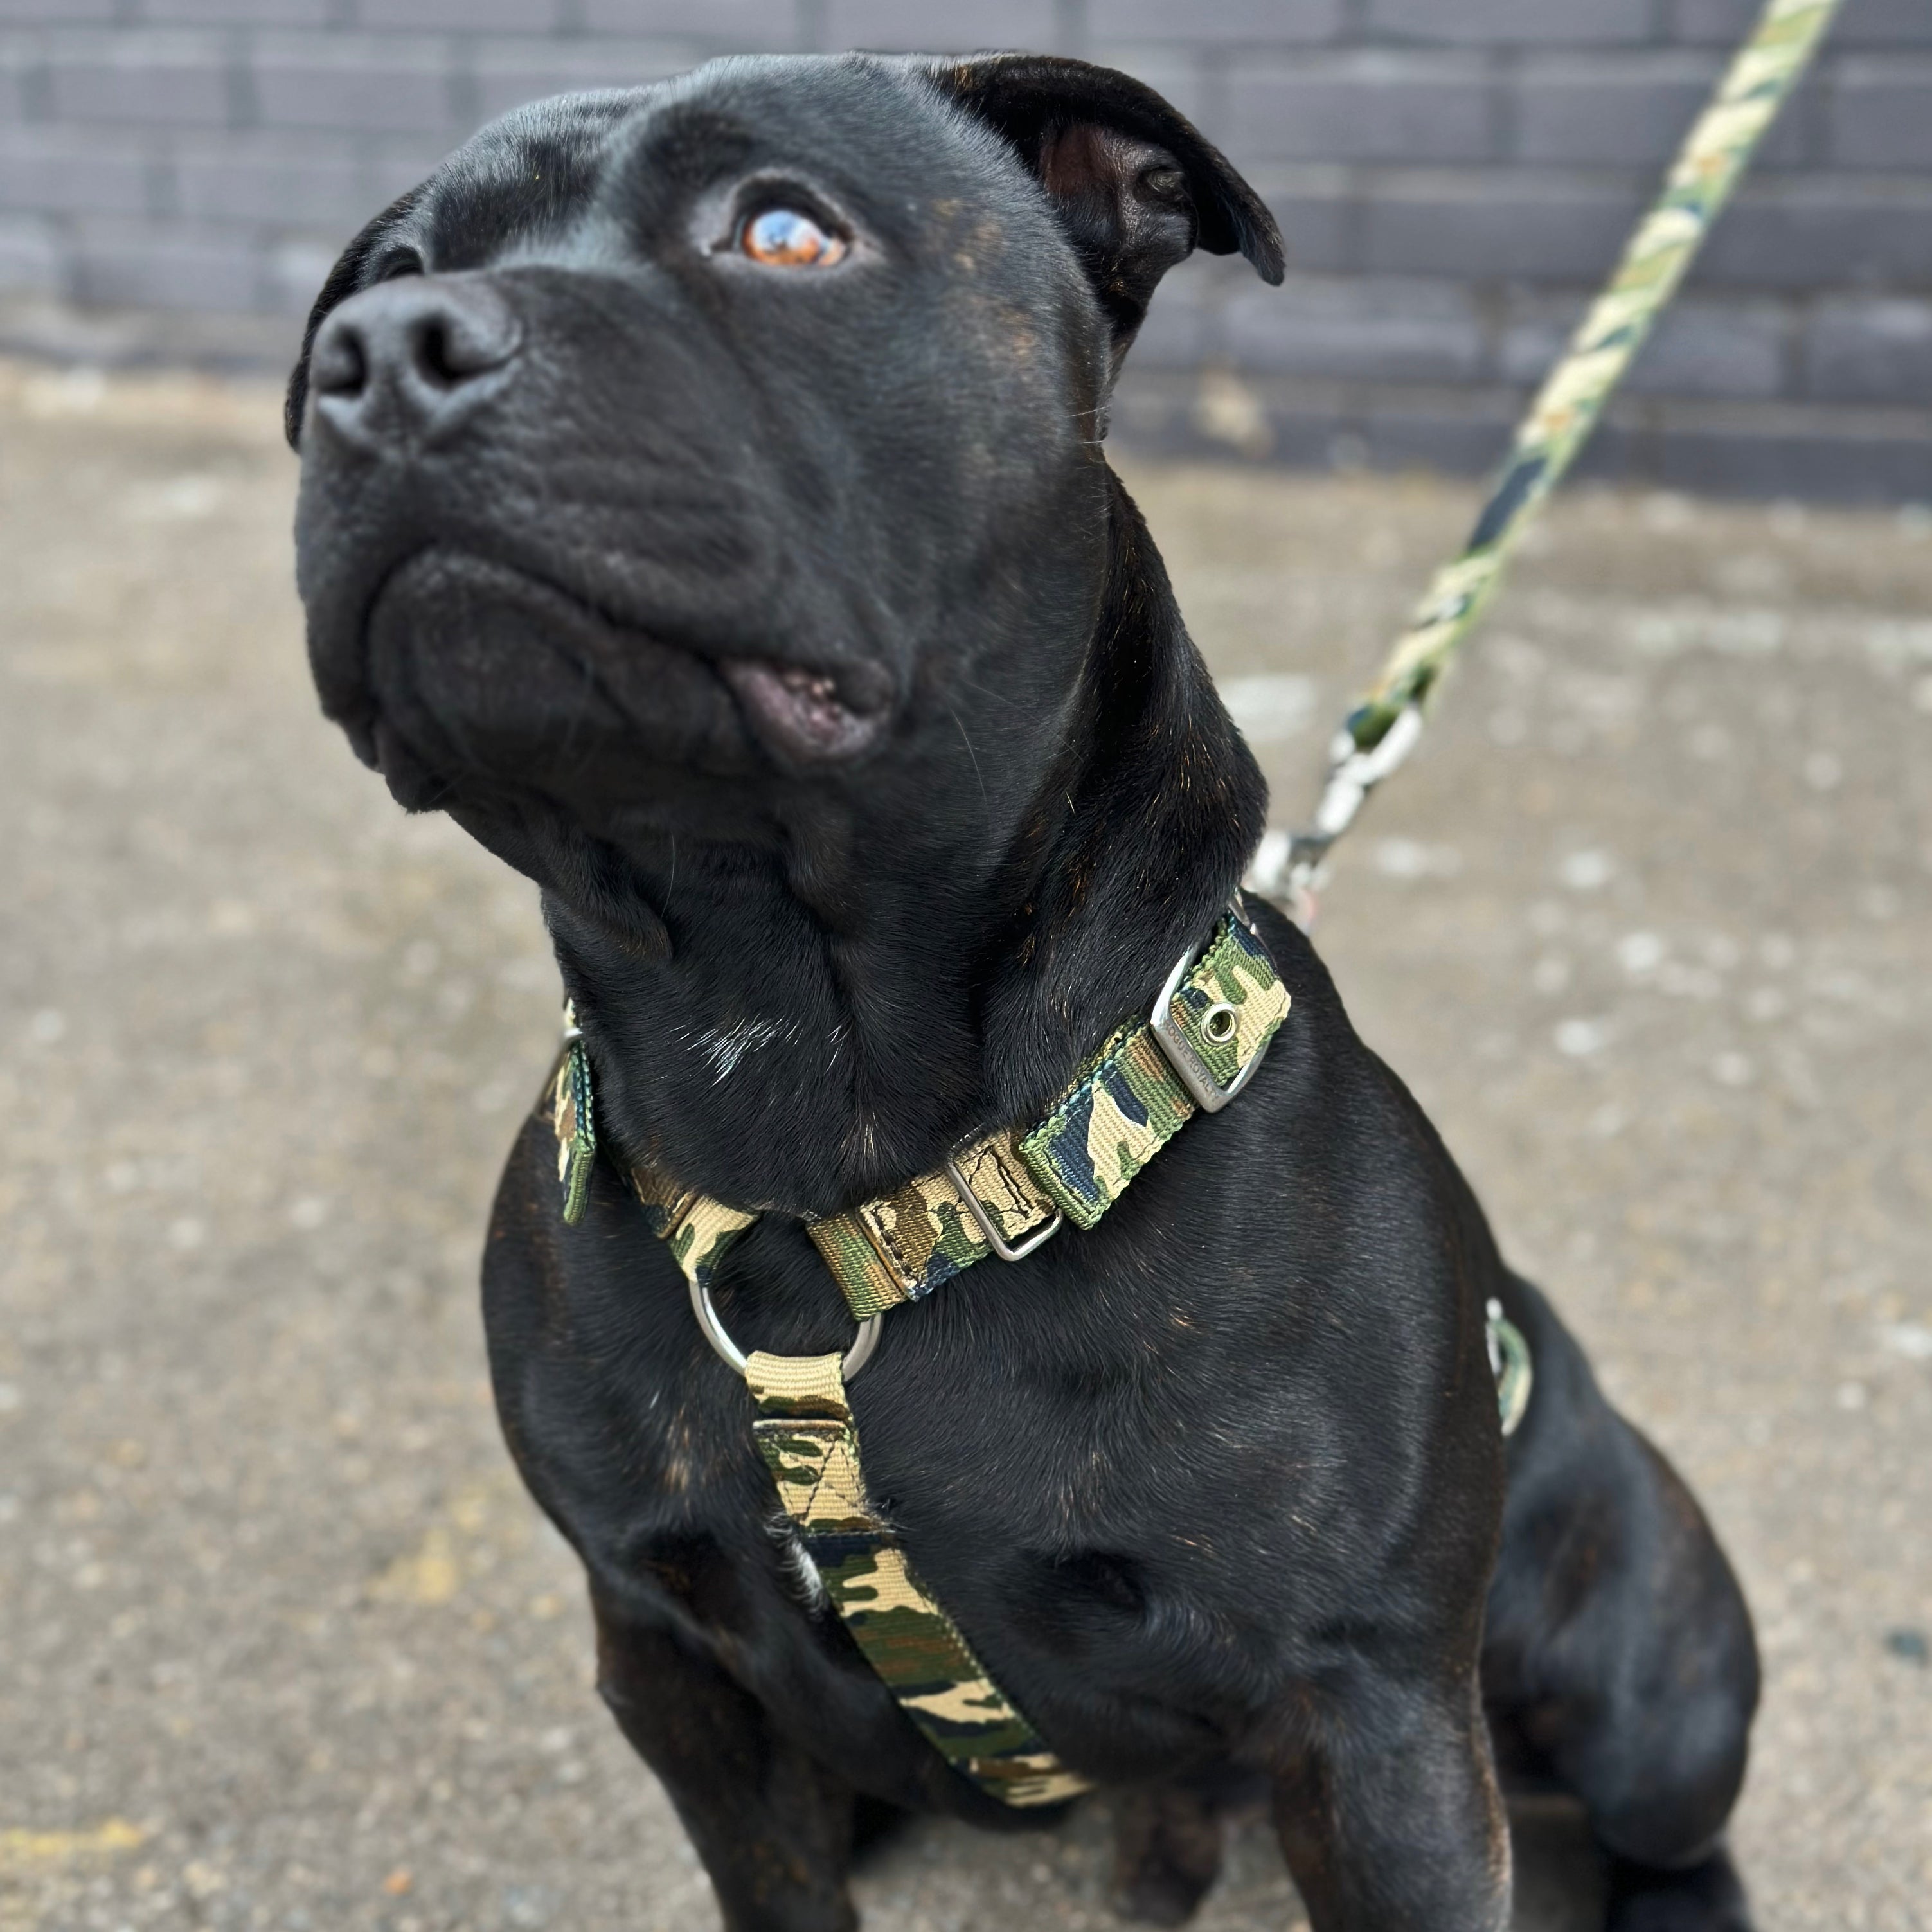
(1388,1811)
(773,1829)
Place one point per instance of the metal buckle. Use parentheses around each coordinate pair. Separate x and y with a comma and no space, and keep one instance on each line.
(715,1333)
(1207,1095)
(989,1229)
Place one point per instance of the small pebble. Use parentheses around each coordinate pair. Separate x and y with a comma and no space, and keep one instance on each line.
(1909,1646)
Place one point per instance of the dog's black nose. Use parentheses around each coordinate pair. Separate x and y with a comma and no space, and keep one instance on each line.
(408,360)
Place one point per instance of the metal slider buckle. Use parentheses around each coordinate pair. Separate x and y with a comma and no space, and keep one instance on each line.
(1207,1093)
(989,1229)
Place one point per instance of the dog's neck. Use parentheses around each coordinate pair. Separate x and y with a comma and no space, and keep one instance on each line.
(817,1022)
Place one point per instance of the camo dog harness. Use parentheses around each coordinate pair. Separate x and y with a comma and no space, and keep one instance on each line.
(1005,1195)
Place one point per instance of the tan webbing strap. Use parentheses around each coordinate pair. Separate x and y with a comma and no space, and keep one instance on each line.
(805,1434)
(697,1229)
(902,1245)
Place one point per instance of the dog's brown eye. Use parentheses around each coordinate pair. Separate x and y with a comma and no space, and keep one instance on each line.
(782,237)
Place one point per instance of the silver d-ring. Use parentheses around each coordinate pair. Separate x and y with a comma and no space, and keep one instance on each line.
(715,1333)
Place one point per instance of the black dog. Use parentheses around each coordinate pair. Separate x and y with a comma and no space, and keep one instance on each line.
(703,503)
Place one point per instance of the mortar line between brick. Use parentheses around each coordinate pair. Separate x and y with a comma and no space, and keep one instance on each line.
(1504,103)
(245,106)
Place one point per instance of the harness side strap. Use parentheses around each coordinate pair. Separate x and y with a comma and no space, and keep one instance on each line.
(573,1119)
(697,1229)
(806,1433)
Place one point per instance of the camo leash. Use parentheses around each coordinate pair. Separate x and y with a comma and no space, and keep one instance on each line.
(1384,727)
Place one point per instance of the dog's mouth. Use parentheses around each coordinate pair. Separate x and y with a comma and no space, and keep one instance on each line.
(477,664)
(811,714)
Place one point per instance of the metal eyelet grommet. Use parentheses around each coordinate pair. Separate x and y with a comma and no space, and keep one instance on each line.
(1203,1089)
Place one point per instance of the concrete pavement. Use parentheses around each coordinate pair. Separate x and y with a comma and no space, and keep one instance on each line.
(1647,926)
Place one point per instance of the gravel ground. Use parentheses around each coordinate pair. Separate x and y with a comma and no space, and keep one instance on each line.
(1647,925)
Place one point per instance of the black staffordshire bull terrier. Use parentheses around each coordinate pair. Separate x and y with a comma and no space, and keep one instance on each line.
(703,501)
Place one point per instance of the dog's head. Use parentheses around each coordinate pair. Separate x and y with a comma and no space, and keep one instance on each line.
(674,455)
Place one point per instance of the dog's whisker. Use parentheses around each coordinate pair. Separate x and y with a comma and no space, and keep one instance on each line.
(986,803)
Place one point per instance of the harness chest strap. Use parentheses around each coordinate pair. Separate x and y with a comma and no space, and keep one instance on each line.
(804,1433)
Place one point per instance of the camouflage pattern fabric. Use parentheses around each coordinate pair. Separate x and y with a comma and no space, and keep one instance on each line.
(696,1231)
(1128,1102)
(1125,1105)
(902,1246)
(805,1432)
(1708,167)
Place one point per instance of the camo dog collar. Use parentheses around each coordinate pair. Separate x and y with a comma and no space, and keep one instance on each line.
(1128,1101)
(1208,1033)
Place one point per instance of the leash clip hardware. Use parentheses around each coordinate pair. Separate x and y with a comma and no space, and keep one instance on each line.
(1208,1094)
(989,1229)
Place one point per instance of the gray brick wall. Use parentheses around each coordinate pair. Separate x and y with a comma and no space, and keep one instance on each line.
(1452,176)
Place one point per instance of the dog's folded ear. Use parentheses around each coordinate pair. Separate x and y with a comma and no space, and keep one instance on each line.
(1137,187)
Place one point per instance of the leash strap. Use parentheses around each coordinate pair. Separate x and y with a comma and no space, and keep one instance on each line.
(1382,730)
(1124,1106)
(805,1434)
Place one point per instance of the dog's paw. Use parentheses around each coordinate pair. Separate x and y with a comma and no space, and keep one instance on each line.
(1167,1854)
(1162,1897)
(1707,1897)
